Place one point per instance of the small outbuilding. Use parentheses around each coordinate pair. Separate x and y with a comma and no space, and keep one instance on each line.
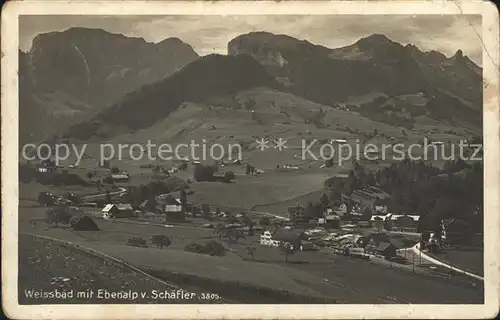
(118,210)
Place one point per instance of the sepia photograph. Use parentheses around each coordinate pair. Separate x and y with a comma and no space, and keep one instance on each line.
(221,156)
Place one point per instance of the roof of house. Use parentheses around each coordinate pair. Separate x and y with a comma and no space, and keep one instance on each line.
(173,208)
(107,207)
(285,235)
(120,176)
(119,206)
(379,237)
(340,175)
(397,216)
(169,199)
(123,206)
(398,243)
(332,217)
(378,217)
(384,245)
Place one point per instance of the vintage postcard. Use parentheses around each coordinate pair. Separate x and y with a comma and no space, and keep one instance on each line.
(250,160)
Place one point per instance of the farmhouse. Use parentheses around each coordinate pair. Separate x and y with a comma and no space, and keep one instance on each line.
(174,212)
(282,236)
(405,223)
(386,249)
(296,213)
(378,217)
(337,181)
(381,244)
(338,141)
(341,210)
(120,177)
(117,211)
(332,222)
(381,209)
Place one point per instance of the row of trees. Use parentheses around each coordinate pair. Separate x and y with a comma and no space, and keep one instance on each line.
(456,190)
(207,173)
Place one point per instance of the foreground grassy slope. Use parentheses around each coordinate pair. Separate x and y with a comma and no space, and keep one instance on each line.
(348,281)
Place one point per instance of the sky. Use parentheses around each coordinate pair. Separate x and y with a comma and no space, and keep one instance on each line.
(210,34)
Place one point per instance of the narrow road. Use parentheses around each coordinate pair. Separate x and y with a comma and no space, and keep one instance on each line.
(122,190)
(416,250)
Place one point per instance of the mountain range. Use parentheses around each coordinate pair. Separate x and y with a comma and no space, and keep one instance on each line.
(70,76)
(100,84)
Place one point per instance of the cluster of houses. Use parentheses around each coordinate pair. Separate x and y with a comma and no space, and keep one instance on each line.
(397,222)
(168,205)
(379,244)
(332,217)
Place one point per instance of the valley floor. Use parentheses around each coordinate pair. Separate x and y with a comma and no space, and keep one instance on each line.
(310,276)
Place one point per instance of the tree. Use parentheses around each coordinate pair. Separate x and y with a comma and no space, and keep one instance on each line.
(234,235)
(250,104)
(58,215)
(108,197)
(137,242)
(115,170)
(219,230)
(183,197)
(214,248)
(152,204)
(228,176)
(251,251)
(366,214)
(265,221)
(249,223)
(205,209)
(204,173)
(183,166)
(287,249)
(324,200)
(161,240)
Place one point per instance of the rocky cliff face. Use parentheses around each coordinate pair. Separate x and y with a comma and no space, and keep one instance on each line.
(209,76)
(79,71)
(372,63)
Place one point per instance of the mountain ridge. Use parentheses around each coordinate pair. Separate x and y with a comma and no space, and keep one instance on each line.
(89,67)
(451,86)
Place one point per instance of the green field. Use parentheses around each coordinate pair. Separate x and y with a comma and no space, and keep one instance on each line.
(347,280)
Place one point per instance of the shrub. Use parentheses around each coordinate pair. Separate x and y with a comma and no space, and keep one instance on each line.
(265,221)
(161,240)
(204,173)
(45,199)
(58,215)
(194,247)
(108,180)
(137,242)
(228,176)
(83,223)
(212,247)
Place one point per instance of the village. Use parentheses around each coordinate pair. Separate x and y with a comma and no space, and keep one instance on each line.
(356,226)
